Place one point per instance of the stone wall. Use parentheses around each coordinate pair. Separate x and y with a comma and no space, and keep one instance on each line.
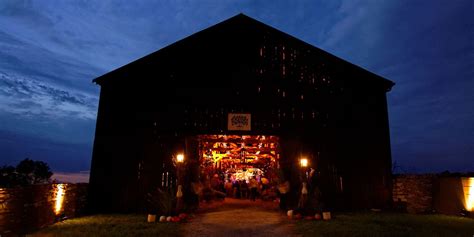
(445,194)
(25,209)
(414,192)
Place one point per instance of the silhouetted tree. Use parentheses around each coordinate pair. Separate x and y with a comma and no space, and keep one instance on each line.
(27,172)
(8,177)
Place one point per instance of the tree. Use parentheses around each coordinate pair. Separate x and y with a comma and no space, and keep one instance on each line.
(27,172)
(8,177)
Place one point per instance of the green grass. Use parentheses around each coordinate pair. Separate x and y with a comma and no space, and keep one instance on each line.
(110,225)
(388,224)
(348,224)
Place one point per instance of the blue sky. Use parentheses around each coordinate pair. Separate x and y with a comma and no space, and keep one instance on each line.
(51,50)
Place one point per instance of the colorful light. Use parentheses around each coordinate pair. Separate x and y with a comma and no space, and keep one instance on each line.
(60,192)
(217,156)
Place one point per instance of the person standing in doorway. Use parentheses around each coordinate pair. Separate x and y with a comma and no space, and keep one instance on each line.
(253,184)
(284,189)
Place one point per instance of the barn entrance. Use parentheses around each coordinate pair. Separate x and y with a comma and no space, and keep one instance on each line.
(237,164)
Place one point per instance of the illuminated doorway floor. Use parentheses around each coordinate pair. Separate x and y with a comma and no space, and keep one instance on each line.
(237,217)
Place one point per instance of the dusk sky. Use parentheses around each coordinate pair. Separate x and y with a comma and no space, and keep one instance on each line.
(50,51)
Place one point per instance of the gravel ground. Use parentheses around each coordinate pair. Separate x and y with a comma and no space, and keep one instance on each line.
(236,217)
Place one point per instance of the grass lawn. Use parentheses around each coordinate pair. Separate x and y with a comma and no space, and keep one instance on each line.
(388,224)
(110,225)
(348,224)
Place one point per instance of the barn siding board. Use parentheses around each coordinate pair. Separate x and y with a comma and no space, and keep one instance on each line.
(315,102)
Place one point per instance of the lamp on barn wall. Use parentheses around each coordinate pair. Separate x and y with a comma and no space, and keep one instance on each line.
(179,173)
(304,163)
(180,158)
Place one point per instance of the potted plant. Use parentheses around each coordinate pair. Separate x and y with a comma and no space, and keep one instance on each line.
(159,202)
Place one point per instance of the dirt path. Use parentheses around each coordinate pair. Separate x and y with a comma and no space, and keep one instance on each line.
(240,218)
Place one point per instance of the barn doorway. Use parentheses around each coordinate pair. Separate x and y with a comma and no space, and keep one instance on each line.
(235,164)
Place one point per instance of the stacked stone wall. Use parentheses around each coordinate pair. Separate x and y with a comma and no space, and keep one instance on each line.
(25,209)
(414,192)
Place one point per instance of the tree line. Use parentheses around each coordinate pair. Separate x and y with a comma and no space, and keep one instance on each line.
(26,172)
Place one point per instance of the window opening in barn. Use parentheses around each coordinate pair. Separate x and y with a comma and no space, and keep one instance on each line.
(163,179)
(139,169)
(341,187)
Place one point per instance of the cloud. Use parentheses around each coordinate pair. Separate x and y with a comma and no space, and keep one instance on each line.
(61,156)
(51,50)
(47,114)
(19,95)
(429,54)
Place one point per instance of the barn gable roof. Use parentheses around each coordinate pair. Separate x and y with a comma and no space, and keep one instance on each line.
(239,19)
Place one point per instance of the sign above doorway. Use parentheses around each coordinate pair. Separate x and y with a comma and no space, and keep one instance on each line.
(239,122)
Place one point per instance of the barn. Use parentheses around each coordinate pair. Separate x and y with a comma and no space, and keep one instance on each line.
(237,99)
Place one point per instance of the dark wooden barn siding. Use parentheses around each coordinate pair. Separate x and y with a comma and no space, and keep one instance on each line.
(113,175)
(322,107)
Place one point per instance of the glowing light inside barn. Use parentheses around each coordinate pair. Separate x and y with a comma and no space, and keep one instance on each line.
(60,192)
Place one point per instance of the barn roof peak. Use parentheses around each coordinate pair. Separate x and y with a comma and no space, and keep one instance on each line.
(239,19)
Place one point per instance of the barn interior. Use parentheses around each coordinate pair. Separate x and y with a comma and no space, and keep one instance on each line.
(239,157)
